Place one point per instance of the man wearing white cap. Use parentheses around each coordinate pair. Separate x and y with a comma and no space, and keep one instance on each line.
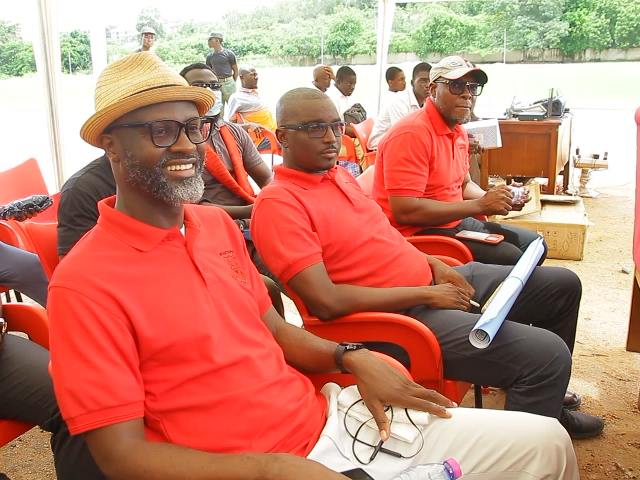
(422,177)
(148,39)
(168,357)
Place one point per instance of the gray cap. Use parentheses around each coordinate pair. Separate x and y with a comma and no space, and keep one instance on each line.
(216,35)
(454,67)
(147,30)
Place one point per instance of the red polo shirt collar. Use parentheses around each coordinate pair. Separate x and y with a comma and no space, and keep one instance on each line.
(305,180)
(439,125)
(137,234)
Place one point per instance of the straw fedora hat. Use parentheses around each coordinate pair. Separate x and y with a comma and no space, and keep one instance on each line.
(136,81)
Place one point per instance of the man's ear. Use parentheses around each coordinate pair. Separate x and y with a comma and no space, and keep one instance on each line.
(432,89)
(110,145)
(281,135)
(411,83)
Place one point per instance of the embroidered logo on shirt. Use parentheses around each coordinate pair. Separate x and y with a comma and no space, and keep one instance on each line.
(230,257)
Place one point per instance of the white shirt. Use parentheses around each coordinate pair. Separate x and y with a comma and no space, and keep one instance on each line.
(341,102)
(400,105)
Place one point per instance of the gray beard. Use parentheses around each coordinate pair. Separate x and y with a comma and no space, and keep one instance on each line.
(153,179)
(453,118)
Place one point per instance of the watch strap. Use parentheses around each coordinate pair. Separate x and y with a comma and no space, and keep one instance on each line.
(341,349)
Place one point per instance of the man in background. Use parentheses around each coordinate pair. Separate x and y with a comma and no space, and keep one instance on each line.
(246,106)
(223,62)
(396,79)
(148,39)
(401,104)
(322,76)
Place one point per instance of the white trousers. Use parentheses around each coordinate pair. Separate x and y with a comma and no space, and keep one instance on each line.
(488,445)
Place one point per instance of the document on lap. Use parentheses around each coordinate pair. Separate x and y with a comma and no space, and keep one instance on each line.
(500,303)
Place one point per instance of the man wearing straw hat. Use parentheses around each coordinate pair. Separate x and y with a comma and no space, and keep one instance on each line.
(167,354)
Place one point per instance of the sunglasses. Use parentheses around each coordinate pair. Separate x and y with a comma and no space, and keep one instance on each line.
(211,85)
(164,133)
(457,87)
(319,130)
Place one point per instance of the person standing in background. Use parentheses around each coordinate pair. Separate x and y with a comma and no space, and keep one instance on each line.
(148,39)
(224,64)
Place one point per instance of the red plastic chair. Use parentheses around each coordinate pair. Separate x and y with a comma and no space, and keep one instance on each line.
(419,342)
(32,320)
(363,132)
(21,181)
(430,244)
(350,148)
(274,147)
(44,237)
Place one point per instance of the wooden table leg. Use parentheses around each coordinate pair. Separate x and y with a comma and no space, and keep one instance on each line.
(633,337)
(566,177)
(484,171)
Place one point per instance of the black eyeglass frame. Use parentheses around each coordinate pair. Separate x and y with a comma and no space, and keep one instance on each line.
(215,86)
(206,133)
(477,87)
(342,128)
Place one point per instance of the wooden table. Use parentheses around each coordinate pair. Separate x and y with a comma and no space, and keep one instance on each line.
(530,149)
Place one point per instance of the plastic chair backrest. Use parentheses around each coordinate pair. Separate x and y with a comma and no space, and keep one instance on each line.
(350,148)
(9,236)
(44,237)
(32,320)
(274,146)
(366,180)
(363,132)
(21,181)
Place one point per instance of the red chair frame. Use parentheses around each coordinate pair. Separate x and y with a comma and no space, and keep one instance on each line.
(44,238)
(274,148)
(419,342)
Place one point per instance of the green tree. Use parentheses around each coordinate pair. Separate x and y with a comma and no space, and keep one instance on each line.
(587,27)
(151,17)
(16,55)
(444,31)
(75,47)
(344,29)
(627,32)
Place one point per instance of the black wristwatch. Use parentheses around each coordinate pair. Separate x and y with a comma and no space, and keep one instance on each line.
(341,349)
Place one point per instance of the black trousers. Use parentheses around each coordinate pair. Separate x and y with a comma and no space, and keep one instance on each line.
(26,388)
(530,355)
(508,252)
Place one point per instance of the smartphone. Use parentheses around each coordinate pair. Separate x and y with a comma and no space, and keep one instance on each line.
(492,238)
(357,474)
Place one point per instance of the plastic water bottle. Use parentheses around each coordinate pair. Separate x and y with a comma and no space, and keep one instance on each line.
(449,470)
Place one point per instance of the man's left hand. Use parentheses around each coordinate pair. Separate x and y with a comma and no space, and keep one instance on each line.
(443,273)
(380,384)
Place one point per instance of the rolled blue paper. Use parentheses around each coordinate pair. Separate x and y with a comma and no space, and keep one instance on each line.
(487,326)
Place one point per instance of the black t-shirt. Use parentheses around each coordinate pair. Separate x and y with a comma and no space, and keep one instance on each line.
(79,197)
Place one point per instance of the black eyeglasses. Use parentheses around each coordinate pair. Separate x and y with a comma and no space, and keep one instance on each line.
(165,133)
(319,130)
(211,85)
(457,87)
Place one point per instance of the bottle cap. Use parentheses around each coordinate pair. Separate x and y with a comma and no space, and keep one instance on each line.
(454,466)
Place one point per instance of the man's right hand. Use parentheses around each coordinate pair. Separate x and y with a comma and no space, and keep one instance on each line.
(253,128)
(497,201)
(447,297)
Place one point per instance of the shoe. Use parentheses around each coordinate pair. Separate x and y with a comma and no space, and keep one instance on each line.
(571,400)
(581,425)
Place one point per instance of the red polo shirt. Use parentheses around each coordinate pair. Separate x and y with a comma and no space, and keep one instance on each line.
(301,219)
(146,323)
(421,157)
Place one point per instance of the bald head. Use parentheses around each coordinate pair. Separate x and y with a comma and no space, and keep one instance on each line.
(295,101)
(248,76)
(322,75)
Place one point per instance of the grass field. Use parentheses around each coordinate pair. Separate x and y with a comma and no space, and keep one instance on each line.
(602,96)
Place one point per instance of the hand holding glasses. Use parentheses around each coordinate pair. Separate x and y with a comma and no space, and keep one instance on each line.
(457,87)
(319,130)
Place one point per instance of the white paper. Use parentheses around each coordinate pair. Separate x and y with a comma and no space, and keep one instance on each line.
(487,326)
(485,132)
